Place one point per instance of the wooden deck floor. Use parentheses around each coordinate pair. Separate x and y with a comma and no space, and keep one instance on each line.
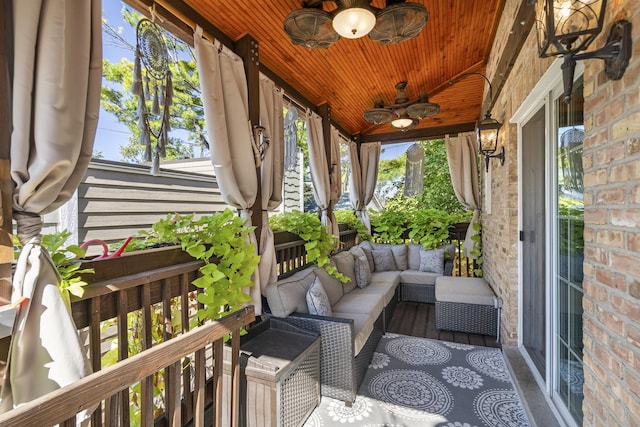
(418,320)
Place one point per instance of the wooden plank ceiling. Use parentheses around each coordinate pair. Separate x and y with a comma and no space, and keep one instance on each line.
(351,74)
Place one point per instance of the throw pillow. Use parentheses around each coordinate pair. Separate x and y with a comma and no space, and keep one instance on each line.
(317,299)
(363,273)
(383,260)
(432,261)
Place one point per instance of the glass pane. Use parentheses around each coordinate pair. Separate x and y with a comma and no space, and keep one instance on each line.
(569,252)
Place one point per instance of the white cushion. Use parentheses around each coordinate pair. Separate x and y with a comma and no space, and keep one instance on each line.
(466,290)
(317,299)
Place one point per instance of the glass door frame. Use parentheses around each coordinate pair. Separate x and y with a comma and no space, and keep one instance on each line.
(544,95)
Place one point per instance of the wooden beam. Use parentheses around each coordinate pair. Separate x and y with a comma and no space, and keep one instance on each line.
(298,97)
(6,71)
(180,20)
(248,49)
(418,134)
(522,24)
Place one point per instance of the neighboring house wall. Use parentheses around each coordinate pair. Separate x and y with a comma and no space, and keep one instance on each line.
(611,161)
(116,200)
(293,195)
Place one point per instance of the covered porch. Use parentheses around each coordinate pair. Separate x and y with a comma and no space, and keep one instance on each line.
(570,305)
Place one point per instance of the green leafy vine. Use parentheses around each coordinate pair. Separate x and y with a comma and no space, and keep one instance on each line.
(319,243)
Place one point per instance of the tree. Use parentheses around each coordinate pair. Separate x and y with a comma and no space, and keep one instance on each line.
(438,192)
(187,114)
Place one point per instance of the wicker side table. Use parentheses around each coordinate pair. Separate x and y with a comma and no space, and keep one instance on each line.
(280,375)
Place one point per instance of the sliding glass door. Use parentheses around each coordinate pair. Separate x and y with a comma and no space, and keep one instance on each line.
(569,252)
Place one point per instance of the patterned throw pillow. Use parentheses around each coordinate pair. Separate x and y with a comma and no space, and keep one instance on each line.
(317,299)
(363,273)
(432,261)
(383,260)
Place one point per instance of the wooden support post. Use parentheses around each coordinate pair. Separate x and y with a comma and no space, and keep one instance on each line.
(6,240)
(247,49)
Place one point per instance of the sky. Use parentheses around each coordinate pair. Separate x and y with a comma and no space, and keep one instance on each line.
(111,134)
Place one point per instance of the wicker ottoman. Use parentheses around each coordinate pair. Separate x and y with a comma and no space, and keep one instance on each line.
(467,304)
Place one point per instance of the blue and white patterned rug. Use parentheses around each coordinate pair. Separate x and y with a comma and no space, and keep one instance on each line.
(422,382)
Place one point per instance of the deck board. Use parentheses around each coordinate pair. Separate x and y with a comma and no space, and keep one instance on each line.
(419,320)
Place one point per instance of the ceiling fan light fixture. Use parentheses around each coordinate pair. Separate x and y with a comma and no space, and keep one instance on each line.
(399,22)
(404,122)
(310,27)
(404,113)
(378,116)
(354,19)
(423,110)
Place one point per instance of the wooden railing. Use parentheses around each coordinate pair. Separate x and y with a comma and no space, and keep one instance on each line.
(149,298)
(291,255)
(109,384)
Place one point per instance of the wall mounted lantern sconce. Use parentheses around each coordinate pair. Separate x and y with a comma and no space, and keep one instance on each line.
(487,129)
(315,28)
(404,113)
(567,27)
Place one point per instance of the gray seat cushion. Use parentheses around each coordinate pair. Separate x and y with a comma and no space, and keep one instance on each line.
(465,290)
(362,325)
(288,295)
(360,303)
(385,290)
(418,277)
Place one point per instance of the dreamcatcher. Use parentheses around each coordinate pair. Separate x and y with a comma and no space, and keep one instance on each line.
(152,80)
(290,139)
(414,171)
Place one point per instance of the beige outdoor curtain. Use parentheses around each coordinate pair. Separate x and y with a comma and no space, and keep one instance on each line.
(462,155)
(224,98)
(335,178)
(56,96)
(364,176)
(320,171)
(272,171)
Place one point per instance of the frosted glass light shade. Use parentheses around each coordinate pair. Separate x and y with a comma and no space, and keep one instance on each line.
(354,22)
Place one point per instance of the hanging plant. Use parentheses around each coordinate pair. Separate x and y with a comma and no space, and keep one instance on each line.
(347,216)
(220,240)
(318,242)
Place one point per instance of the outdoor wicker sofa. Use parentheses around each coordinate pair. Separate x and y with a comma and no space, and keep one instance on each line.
(359,309)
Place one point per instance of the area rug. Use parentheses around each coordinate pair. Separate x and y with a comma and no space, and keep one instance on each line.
(423,382)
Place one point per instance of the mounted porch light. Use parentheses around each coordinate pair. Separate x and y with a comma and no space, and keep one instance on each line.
(487,131)
(567,27)
(404,113)
(315,28)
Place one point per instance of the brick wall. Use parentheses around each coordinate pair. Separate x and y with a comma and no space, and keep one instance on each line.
(611,161)
(500,228)
(612,218)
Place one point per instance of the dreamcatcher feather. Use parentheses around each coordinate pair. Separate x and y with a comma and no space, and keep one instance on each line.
(414,171)
(290,139)
(152,81)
